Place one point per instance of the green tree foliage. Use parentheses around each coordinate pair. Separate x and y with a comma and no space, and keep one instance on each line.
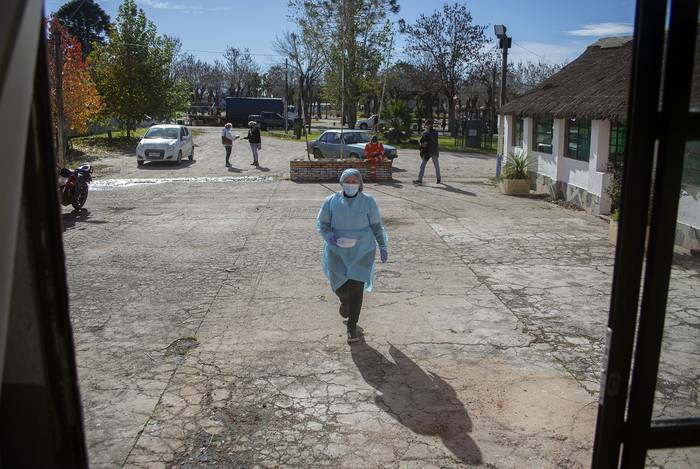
(353,36)
(399,116)
(85,20)
(450,43)
(134,71)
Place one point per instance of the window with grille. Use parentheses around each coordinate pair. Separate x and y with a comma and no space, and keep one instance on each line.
(518,132)
(618,133)
(578,142)
(544,130)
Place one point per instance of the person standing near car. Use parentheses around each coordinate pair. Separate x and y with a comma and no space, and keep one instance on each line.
(227,139)
(429,150)
(374,153)
(351,226)
(253,138)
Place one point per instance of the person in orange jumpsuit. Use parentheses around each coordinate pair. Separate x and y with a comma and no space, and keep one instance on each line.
(374,153)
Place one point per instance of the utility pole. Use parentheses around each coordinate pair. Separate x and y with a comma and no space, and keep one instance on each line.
(286,95)
(342,77)
(492,104)
(386,69)
(58,71)
(504,42)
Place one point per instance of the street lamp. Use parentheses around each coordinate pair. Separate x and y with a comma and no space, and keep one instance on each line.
(504,43)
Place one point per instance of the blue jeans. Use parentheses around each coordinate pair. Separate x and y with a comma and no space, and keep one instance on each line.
(423,162)
(228,152)
(254,149)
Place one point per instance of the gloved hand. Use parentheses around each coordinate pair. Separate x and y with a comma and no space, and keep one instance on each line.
(383,255)
(332,240)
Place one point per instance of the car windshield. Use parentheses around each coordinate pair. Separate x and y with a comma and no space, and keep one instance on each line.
(356,137)
(160,132)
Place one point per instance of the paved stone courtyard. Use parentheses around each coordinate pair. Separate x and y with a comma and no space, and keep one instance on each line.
(207,336)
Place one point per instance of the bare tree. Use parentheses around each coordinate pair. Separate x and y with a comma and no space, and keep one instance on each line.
(352,36)
(450,43)
(527,75)
(194,72)
(240,71)
(307,61)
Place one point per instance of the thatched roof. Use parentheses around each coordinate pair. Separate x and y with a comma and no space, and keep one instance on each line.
(594,86)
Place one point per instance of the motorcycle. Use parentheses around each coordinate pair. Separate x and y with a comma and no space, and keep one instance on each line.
(73,185)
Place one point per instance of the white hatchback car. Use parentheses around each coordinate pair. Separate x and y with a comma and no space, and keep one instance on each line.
(165,142)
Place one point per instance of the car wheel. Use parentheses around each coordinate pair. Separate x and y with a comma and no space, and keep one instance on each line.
(317,154)
(139,162)
(363,126)
(353,155)
(191,157)
(179,158)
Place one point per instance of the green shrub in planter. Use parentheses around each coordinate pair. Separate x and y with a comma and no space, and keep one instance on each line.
(514,177)
(517,166)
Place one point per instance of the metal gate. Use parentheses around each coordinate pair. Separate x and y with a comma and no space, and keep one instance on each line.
(654,157)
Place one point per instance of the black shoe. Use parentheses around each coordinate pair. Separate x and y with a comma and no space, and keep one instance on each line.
(439,181)
(417,182)
(342,312)
(352,335)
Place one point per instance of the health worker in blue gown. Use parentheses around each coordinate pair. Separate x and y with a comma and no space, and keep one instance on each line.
(352,227)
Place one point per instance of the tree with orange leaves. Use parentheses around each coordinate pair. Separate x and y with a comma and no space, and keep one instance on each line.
(81,101)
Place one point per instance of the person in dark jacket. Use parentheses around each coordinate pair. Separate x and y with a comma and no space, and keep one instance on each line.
(253,138)
(429,150)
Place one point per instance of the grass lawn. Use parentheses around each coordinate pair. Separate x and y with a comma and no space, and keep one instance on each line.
(93,147)
(290,136)
(446,143)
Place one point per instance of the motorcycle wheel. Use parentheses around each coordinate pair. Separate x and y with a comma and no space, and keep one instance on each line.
(81,194)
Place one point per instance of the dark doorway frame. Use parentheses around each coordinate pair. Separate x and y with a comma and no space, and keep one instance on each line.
(656,141)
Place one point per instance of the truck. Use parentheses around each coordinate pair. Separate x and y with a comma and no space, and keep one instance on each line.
(204,113)
(268,120)
(238,109)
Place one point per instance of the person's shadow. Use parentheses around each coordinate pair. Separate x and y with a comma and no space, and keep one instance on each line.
(421,401)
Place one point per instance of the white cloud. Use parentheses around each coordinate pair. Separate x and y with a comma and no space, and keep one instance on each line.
(541,51)
(184,8)
(602,29)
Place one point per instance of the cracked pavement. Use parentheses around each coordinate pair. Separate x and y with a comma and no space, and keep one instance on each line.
(207,336)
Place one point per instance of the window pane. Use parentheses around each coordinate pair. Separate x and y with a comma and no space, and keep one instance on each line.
(543,138)
(679,367)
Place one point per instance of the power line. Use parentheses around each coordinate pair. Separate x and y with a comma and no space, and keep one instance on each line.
(76,10)
(535,53)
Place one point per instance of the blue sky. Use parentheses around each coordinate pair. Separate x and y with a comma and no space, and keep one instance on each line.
(555,30)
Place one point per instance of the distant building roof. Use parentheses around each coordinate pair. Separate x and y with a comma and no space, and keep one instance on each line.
(594,86)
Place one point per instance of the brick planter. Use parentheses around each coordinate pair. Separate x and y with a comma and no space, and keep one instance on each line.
(330,170)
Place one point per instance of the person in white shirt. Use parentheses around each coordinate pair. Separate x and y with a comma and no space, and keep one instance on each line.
(227,139)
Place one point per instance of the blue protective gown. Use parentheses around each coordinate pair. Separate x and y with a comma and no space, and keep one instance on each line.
(358,218)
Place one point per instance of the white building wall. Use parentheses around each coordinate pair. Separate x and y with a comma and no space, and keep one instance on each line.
(558,142)
(591,175)
(599,179)
(508,129)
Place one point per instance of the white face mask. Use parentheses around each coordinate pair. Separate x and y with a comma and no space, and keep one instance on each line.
(350,189)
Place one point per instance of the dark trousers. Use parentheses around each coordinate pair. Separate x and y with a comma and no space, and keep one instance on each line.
(228,152)
(350,294)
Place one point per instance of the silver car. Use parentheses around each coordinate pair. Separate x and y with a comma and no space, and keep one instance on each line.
(351,145)
(165,142)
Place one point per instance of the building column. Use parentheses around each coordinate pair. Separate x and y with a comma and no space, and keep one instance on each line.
(599,179)
(528,133)
(559,146)
(508,135)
